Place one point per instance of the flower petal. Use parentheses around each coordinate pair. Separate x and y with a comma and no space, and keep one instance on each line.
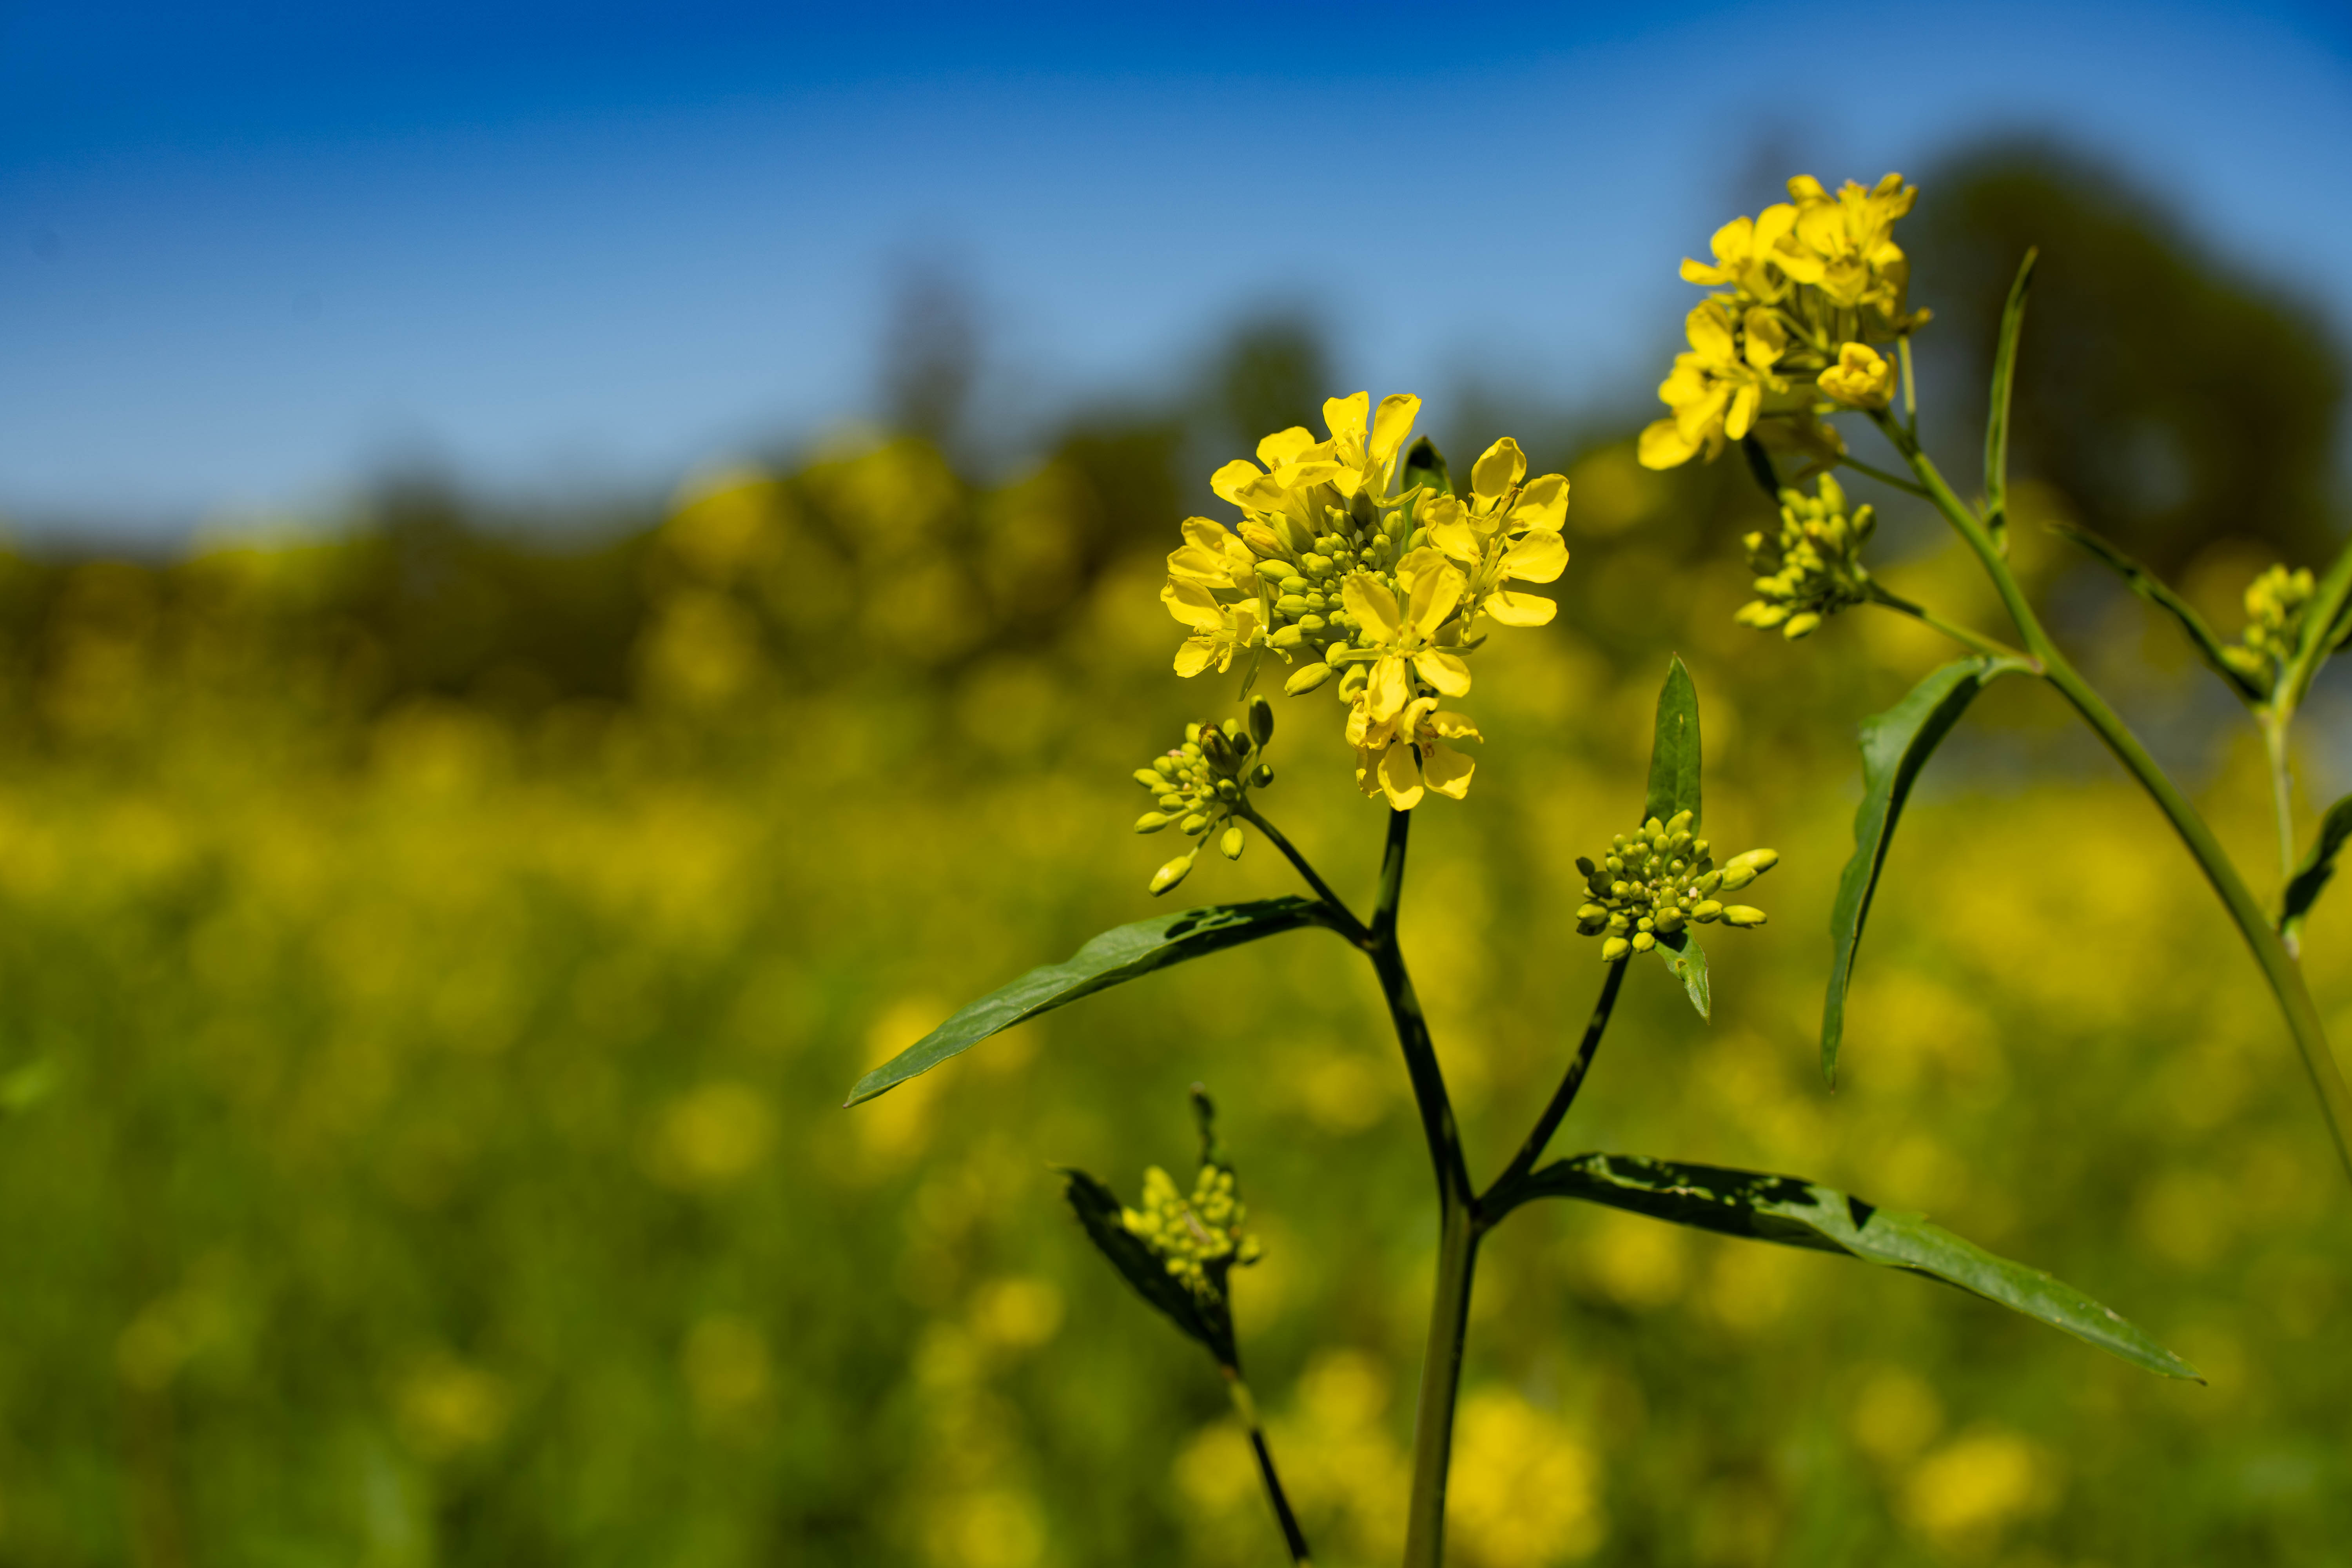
(1400,776)
(1543,504)
(1536,557)
(1499,468)
(1435,586)
(1447,771)
(1374,605)
(1386,693)
(1391,424)
(1664,446)
(1508,609)
(1284,445)
(1234,478)
(1344,418)
(1445,672)
(1192,657)
(1452,726)
(1193,604)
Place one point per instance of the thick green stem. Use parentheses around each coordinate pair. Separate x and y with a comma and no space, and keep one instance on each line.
(2278,966)
(2274,727)
(1441,1380)
(1429,1094)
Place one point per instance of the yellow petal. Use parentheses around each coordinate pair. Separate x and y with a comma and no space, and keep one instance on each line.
(1742,416)
(1386,692)
(1436,587)
(1344,418)
(1456,538)
(1537,557)
(1400,774)
(1285,445)
(1392,424)
(1192,605)
(1543,504)
(1705,277)
(1710,332)
(1509,609)
(1499,468)
(1452,726)
(1804,188)
(1374,605)
(1664,446)
(1447,771)
(1733,241)
(1235,477)
(1773,225)
(1444,671)
(1192,657)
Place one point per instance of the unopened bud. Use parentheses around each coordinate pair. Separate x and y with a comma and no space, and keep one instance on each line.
(1735,876)
(1584,865)
(1670,921)
(1643,941)
(1742,915)
(1591,912)
(1150,778)
(1152,821)
(1678,823)
(1170,874)
(1285,637)
(1304,679)
(1615,948)
(1707,910)
(1261,721)
(1757,860)
(1799,625)
(1263,774)
(1218,750)
(1231,843)
(1194,824)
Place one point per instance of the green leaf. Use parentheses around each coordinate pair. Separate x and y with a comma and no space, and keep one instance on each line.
(2326,625)
(1210,1323)
(2004,377)
(1760,468)
(1687,962)
(1112,959)
(2148,586)
(1424,465)
(1796,1213)
(1896,746)
(2302,889)
(1674,755)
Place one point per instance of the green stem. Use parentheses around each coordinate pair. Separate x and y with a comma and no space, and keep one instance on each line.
(1246,1407)
(2274,729)
(1457,1245)
(1441,1380)
(1349,925)
(1993,646)
(1564,1096)
(2278,965)
(1897,481)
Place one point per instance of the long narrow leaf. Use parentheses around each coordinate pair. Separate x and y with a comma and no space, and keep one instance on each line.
(2148,586)
(1112,959)
(1099,1210)
(1896,746)
(2004,377)
(2326,624)
(1795,1213)
(1674,755)
(2311,877)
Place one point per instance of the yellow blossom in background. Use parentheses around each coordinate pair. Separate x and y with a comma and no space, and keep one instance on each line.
(1525,1491)
(1860,379)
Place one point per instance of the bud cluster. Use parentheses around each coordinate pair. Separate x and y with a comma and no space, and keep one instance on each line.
(1198,1239)
(2275,602)
(1812,567)
(1657,880)
(1202,785)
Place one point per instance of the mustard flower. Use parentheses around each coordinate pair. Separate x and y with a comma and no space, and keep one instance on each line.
(2276,603)
(1401,624)
(1658,880)
(1716,389)
(1201,786)
(1198,1239)
(1812,568)
(1862,378)
(1402,756)
(1508,533)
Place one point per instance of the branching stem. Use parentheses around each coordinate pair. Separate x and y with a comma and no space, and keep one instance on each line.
(1349,925)
(1993,646)
(1561,1097)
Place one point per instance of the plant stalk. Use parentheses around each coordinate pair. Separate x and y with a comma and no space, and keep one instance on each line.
(1991,647)
(1347,924)
(1565,1095)
(1246,1407)
(2274,729)
(1441,1380)
(2278,967)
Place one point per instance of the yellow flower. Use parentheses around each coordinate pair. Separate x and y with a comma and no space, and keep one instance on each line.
(1303,476)
(1716,389)
(1506,533)
(1219,630)
(1215,558)
(1862,378)
(1403,626)
(1406,755)
(1853,234)
(1759,256)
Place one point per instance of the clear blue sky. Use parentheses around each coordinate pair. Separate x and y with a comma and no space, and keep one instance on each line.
(248,253)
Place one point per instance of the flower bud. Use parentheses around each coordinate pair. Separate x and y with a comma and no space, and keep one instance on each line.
(1742,915)
(1218,750)
(1305,679)
(1759,860)
(1284,636)
(1678,824)
(1643,941)
(1194,824)
(1799,625)
(1669,921)
(1263,774)
(1152,821)
(1615,948)
(1231,843)
(1735,876)
(1591,912)
(1150,778)
(1706,909)
(1261,721)
(1170,874)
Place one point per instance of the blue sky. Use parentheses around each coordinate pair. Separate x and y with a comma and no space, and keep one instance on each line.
(249,255)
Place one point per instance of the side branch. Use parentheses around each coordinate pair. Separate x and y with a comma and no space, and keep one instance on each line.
(1496,1200)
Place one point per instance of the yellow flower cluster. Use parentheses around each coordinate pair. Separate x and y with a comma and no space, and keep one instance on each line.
(1660,879)
(1198,1239)
(1804,289)
(1812,566)
(2275,602)
(1198,785)
(1335,572)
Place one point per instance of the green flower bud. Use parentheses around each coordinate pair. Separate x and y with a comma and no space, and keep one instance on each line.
(1170,874)
(1194,824)
(1263,775)
(1172,801)
(1757,860)
(1150,778)
(1591,912)
(1273,571)
(1218,750)
(1231,844)
(1284,636)
(1678,824)
(1643,941)
(1669,921)
(1317,565)
(1742,915)
(1735,876)
(1706,909)
(1292,605)
(1152,821)
(1584,864)
(1799,625)
(1192,734)
(1305,679)
(1615,948)
(1261,721)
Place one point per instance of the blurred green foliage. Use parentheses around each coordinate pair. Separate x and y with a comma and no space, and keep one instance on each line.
(431,961)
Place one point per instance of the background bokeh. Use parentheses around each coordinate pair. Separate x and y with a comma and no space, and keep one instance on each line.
(437,931)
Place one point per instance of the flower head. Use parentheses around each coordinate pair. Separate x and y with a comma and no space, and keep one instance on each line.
(1860,379)
(1659,879)
(2276,603)
(1198,1239)
(1201,786)
(1402,756)
(1812,567)
(1506,533)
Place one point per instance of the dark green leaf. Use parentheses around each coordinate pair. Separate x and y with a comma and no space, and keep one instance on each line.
(1796,1213)
(2326,625)
(1424,465)
(1211,1323)
(1112,959)
(1896,746)
(2004,377)
(2147,584)
(2302,889)
(1674,755)
(1759,468)
(1688,960)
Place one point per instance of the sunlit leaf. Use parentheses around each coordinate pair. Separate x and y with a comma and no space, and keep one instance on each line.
(2004,378)
(1112,959)
(1896,746)
(1796,1213)
(1674,755)
(1687,962)
(2148,586)
(1210,1323)
(1424,465)
(2311,877)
